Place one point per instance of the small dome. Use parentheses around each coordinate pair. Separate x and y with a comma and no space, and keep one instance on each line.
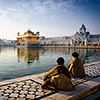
(76,33)
(24,33)
(82,26)
(37,32)
(29,31)
(87,33)
(18,33)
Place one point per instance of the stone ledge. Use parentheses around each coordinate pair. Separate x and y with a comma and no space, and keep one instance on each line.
(82,90)
(35,77)
(93,96)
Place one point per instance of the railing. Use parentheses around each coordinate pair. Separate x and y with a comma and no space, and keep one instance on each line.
(58,45)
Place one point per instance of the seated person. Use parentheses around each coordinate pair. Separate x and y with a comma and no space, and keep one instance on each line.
(75,67)
(58,77)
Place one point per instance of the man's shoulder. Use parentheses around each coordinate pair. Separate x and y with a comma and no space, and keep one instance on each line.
(60,66)
(56,67)
(73,61)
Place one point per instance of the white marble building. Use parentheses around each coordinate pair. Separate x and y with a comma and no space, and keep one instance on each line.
(82,37)
(5,42)
(55,40)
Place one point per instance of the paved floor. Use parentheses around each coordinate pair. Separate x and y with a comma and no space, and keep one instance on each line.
(28,89)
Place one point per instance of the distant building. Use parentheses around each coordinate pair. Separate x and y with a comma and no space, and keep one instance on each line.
(82,37)
(28,37)
(1,42)
(56,40)
(5,42)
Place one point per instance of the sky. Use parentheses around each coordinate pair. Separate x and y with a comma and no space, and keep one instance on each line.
(52,18)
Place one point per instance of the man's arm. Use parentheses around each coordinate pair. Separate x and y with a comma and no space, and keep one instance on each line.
(68,66)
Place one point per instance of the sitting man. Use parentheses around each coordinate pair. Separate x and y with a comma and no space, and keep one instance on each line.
(58,78)
(75,67)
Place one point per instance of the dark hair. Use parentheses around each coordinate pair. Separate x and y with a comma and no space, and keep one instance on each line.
(75,54)
(60,60)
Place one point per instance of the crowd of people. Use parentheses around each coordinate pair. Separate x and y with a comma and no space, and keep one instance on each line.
(59,77)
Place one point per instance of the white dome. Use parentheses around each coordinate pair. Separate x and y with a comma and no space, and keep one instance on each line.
(82,26)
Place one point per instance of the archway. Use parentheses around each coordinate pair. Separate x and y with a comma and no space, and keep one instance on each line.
(83,42)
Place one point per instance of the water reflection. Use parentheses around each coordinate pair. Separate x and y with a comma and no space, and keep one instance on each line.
(28,54)
(32,54)
(21,62)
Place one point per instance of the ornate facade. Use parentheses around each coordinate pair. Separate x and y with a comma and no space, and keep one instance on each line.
(82,37)
(28,37)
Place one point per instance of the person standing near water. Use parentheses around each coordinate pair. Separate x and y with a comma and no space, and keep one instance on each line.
(75,67)
(58,77)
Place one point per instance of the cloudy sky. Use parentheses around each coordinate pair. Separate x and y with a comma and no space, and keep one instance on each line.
(52,18)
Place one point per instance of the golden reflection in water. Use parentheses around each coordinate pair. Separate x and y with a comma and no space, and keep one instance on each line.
(28,54)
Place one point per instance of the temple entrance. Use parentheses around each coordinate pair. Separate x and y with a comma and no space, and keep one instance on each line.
(75,42)
(83,42)
(79,42)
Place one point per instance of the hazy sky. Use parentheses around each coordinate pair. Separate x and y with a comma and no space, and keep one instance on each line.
(52,18)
